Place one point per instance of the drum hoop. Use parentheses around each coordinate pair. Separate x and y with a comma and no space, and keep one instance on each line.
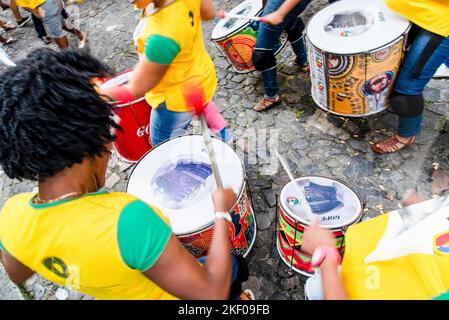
(127,104)
(235,31)
(339,227)
(304,273)
(240,195)
(403,35)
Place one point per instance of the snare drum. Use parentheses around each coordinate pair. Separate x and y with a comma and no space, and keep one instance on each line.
(236,38)
(332,202)
(134,141)
(355,50)
(176,176)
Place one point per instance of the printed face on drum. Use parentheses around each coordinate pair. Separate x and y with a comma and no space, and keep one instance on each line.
(378,83)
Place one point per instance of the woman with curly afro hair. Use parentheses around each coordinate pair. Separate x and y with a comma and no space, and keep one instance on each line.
(57,130)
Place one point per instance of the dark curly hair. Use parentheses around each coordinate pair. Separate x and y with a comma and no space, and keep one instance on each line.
(51,115)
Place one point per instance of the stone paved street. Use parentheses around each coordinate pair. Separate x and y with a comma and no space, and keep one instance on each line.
(314,142)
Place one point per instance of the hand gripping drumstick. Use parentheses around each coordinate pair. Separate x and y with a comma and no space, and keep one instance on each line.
(194,97)
(223,14)
(300,190)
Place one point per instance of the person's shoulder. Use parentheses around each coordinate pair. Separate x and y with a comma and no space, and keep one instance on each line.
(19,199)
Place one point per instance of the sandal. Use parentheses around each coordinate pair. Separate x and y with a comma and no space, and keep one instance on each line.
(304,68)
(247,294)
(391,145)
(267,103)
(9,41)
(8,26)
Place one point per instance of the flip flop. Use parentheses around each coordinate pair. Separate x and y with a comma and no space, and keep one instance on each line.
(8,26)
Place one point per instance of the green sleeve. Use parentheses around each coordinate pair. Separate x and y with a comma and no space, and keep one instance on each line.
(142,235)
(3,248)
(160,49)
(444,296)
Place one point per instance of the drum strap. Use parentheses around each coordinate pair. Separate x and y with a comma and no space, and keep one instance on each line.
(431,46)
(296,33)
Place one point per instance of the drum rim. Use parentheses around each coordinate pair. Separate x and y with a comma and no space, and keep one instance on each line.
(305,223)
(288,263)
(250,246)
(188,135)
(403,35)
(235,31)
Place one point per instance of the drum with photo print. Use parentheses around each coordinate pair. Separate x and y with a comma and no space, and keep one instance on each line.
(333,203)
(355,51)
(176,176)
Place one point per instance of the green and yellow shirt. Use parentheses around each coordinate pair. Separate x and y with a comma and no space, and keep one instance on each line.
(173,36)
(98,244)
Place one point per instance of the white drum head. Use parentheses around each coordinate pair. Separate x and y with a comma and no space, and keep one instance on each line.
(176,176)
(228,26)
(334,204)
(117,80)
(355,26)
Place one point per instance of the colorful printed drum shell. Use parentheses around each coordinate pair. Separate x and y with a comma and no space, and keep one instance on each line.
(335,205)
(238,43)
(289,241)
(242,232)
(354,85)
(355,50)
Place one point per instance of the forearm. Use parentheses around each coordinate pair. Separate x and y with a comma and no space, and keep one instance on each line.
(218,263)
(332,283)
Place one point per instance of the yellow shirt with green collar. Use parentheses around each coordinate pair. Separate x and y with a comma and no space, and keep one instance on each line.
(432,15)
(99,244)
(173,36)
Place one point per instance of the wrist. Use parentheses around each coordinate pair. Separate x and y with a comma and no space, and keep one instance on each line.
(327,255)
(223,215)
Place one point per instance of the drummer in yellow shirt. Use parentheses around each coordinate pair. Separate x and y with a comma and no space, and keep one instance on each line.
(56,129)
(172,55)
(429,48)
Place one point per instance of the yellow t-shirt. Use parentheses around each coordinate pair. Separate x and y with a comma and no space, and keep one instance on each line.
(432,15)
(29,4)
(181,23)
(99,244)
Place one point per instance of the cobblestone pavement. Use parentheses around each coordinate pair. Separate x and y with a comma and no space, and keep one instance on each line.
(313,142)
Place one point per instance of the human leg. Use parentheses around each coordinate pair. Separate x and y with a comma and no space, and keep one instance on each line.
(165,124)
(407,101)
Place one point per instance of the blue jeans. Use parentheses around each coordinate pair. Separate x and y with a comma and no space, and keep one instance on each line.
(166,124)
(407,84)
(447,62)
(236,278)
(268,38)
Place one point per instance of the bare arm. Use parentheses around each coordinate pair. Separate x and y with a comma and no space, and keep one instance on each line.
(16,271)
(145,77)
(207,10)
(180,274)
(279,15)
(313,238)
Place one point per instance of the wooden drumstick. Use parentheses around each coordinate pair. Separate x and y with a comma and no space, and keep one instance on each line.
(5,59)
(300,190)
(194,97)
(223,14)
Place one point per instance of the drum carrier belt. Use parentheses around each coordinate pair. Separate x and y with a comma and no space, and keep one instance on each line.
(433,43)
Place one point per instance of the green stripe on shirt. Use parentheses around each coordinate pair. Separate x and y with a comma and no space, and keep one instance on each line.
(160,49)
(142,235)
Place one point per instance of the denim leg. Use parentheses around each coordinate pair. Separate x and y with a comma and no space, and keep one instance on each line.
(292,20)
(407,84)
(236,287)
(447,62)
(38,26)
(165,124)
